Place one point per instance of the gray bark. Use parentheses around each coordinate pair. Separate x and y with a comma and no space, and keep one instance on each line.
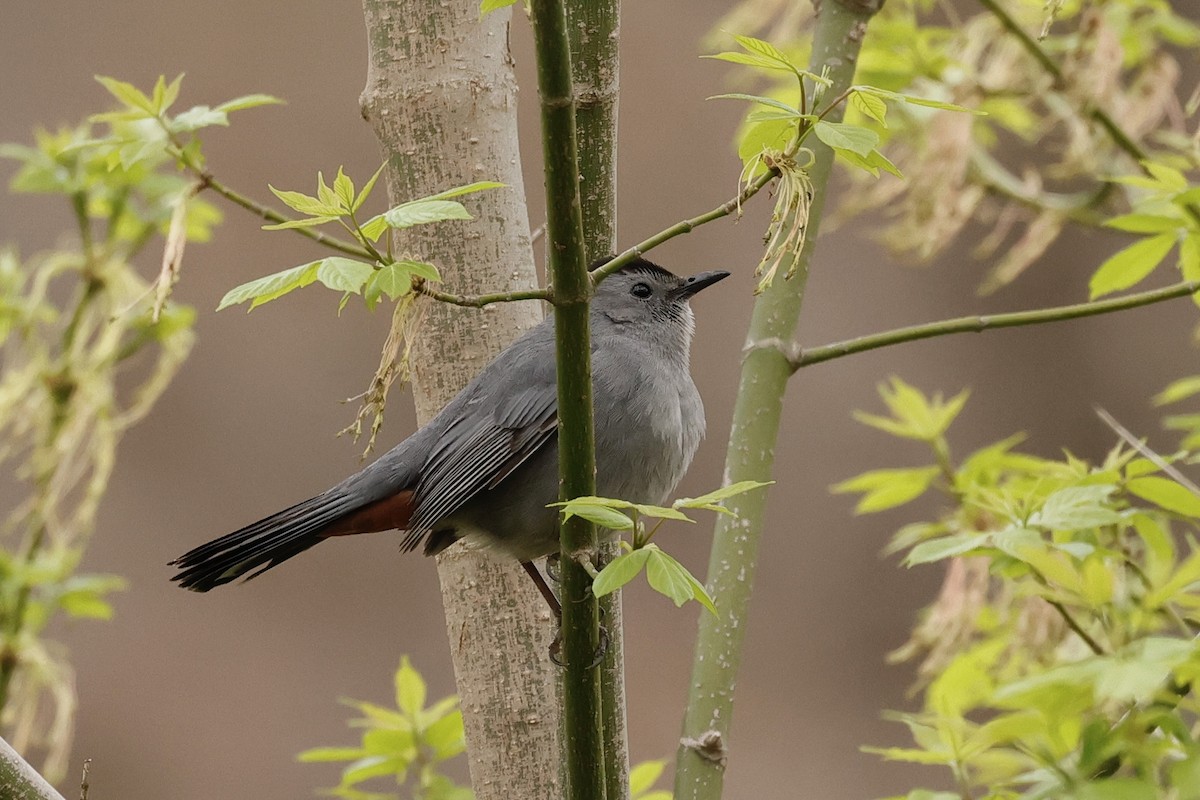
(441,96)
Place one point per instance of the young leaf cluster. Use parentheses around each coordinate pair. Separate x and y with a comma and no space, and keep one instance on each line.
(411,743)
(408,744)
(775,133)
(664,574)
(1163,217)
(1060,658)
(384,274)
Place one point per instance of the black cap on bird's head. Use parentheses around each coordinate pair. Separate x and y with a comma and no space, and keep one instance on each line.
(677,288)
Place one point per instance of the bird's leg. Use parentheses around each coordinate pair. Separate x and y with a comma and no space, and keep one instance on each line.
(544,588)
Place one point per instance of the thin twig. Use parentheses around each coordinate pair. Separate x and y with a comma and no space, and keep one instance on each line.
(480,300)
(977,324)
(1074,625)
(1140,446)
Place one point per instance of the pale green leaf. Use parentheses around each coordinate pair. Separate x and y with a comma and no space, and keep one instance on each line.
(488,6)
(318,754)
(343,187)
(298,201)
(843,136)
(198,117)
(1076,508)
(670,578)
(870,105)
(366,192)
(1143,223)
(620,571)
(128,94)
(307,222)
(410,689)
(944,547)
(1178,390)
(270,287)
(712,499)
(601,515)
(394,280)
(1130,265)
(1167,494)
(787,111)
(344,274)
(421,212)
(248,101)
(887,488)
(643,776)
(458,191)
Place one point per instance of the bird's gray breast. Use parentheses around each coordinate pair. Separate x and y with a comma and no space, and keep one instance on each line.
(649,421)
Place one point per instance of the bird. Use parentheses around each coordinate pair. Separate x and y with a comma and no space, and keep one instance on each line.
(486,466)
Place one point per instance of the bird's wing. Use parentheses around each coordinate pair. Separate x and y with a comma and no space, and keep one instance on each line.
(511,414)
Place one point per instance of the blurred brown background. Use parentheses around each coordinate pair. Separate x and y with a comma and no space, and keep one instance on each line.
(187,696)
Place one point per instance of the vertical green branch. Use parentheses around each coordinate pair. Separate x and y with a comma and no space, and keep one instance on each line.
(593,28)
(704,745)
(583,742)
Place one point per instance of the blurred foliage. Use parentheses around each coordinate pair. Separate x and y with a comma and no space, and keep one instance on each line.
(1094,130)
(89,345)
(410,743)
(1060,657)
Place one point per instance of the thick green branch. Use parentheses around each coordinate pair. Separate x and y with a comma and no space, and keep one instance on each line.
(582,706)
(980,323)
(700,766)
(593,27)
(19,780)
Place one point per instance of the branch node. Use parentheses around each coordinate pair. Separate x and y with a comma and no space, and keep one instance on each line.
(709,745)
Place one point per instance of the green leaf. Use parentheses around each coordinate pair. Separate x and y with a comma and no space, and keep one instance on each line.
(366,190)
(873,162)
(1143,223)
(488,6)
(765,136)
(446,736)
(668,577)
(344,274)
(1117,789)
(601,515)
(643,776)
(298,201)
(1076,508)
(270,287)
(711,501)
(318,754)
(843,136)
(620,571)
(83,604)
(1178,390)
(871,105)
(248,101)
(944,547)
(343,187)
(373,767)
(1129,266)
(394,280)
(887,488)
(422,212)
(307,222)
(128,94)
(788,111)
(410,689)
(1167,494)
(198,117)
(458,191)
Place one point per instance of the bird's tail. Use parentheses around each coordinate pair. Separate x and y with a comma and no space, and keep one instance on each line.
(256,548)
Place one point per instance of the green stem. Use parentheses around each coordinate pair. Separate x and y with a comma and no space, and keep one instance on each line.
(980,323)
(481,300)
(582,717)
(684,226)
(593,28)
(700,767)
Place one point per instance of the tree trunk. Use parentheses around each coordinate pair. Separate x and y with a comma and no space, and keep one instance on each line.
(441,97)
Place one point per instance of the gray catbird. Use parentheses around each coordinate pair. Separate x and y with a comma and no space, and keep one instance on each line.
(487,464)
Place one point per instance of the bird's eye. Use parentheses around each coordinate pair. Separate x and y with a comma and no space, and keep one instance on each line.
(641,290)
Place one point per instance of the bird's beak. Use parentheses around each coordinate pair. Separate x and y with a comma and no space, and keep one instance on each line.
(697,282)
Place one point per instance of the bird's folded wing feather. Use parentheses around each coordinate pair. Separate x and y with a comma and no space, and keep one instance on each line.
(496,431)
